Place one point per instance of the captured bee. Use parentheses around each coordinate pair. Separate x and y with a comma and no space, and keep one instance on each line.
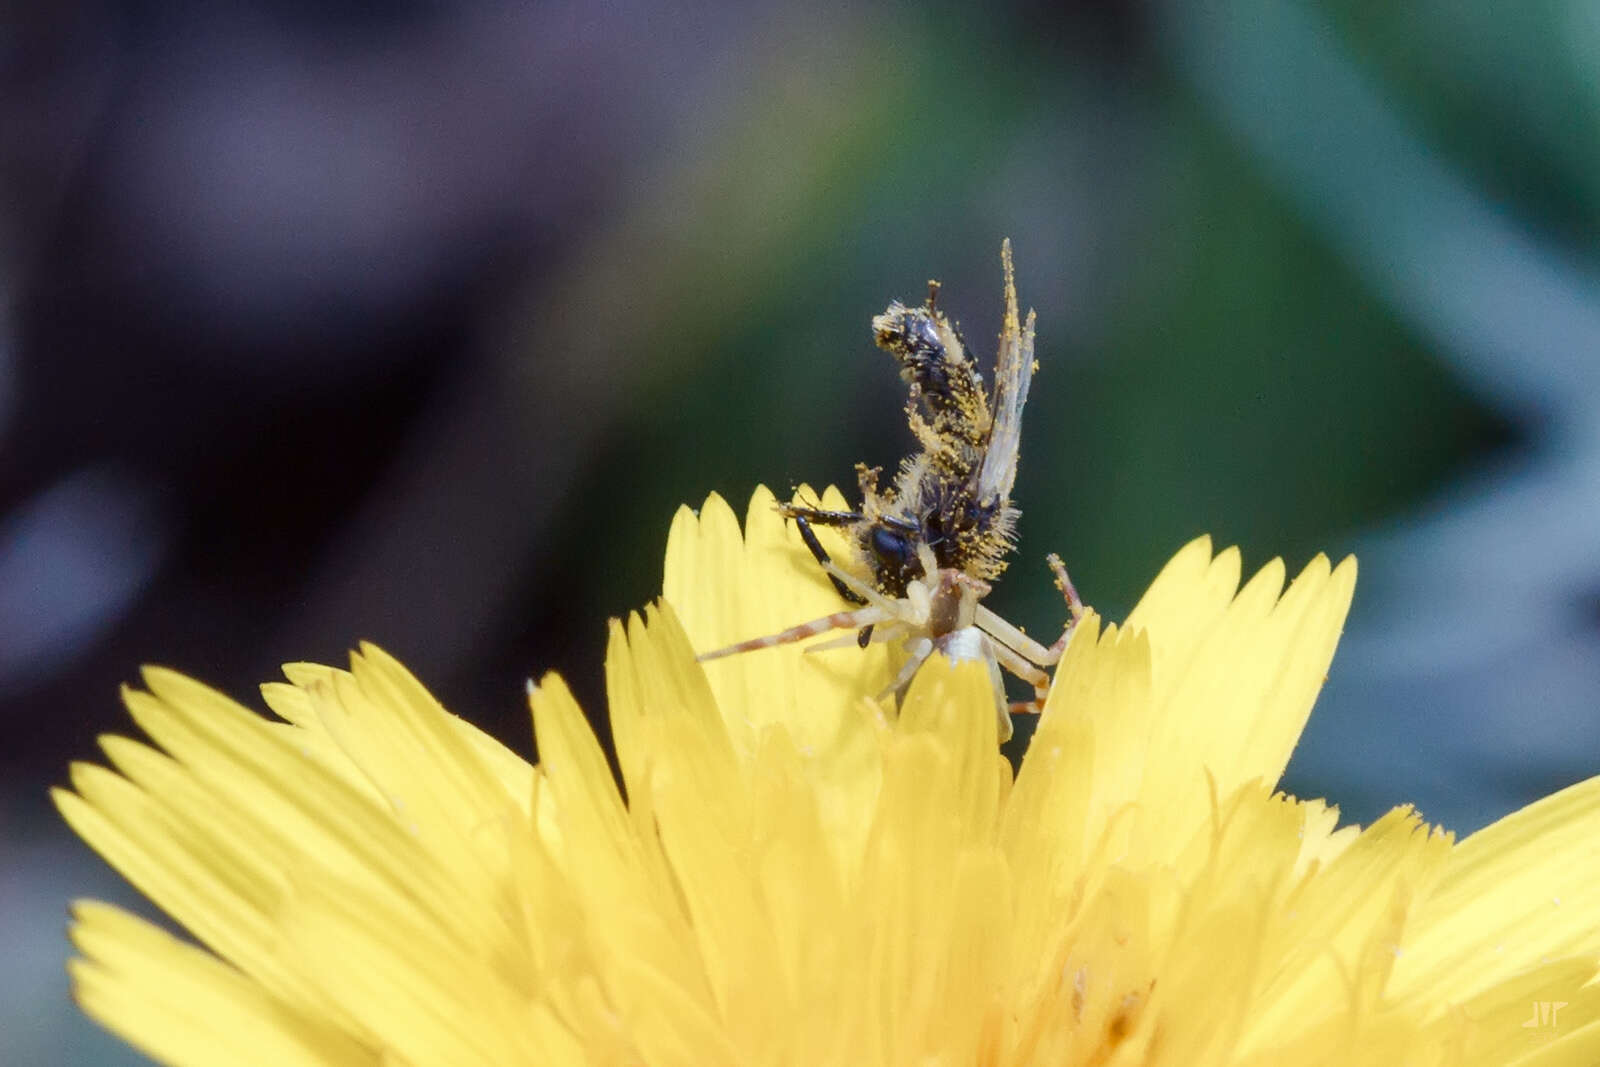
(928,548)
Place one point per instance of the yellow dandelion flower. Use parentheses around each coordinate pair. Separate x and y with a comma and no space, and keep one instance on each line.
(799,875)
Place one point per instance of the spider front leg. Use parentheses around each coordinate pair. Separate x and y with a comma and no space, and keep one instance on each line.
(1069,592)
(839,620)
(1005,633)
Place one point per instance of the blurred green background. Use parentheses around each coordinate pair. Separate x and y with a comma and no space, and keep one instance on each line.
(417,324)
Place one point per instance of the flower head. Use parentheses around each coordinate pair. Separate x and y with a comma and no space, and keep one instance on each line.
(802,874)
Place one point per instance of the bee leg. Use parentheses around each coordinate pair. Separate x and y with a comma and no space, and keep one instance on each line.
(867,481)
(849,586)
(862,589)
(820,516)
(809,536)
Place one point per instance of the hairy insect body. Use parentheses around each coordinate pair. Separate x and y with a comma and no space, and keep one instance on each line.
(932,543)
(949,405)
(938,494)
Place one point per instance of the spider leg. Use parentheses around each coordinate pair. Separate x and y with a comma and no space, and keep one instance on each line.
(1075,608)
(839,620)
(894,631)
(1009,637)
(1069,592)
(919,650)
(834,642)
(862,589)
(1006,634)
(883,633)
(1034,676)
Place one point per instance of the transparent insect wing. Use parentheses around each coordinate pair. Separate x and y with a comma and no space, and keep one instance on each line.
(1012,376)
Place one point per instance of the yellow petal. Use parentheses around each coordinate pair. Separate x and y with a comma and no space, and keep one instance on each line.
(1221,696)
(711,569)
(803,873)
(1516,894)
(181,1005)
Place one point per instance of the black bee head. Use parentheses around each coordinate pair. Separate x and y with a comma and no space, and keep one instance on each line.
(894,557)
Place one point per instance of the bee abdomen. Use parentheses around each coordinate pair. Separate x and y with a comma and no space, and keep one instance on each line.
(934,362)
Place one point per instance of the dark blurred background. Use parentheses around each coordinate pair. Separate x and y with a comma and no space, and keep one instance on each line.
(415,322)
